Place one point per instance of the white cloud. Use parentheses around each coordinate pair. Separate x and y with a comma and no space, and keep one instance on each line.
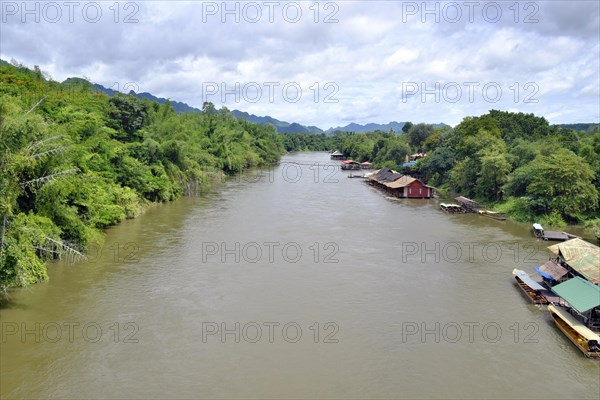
(368,54)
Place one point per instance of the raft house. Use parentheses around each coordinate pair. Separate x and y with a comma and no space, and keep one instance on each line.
(573,278)
(336,155)
(350,165)
(397,185)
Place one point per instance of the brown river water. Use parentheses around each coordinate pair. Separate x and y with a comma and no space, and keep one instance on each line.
(300,283)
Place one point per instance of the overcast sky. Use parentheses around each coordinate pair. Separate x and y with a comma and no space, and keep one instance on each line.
(326,63)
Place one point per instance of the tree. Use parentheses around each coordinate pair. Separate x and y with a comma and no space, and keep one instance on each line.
(464,176)
(406,127)
(493,175)
(418,134)
(563,182)
(437,164)
(128,114)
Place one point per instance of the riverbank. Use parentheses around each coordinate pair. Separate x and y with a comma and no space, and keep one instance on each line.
(71,166)
(373,285)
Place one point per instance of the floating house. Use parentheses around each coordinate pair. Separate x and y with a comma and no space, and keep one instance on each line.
(552,273)
(573,277)
(350,165)
(577,314)
(336,155)
(580,258)
(397,185)
(366,165)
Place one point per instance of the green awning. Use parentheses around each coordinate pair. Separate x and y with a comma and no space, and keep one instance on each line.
(579,293)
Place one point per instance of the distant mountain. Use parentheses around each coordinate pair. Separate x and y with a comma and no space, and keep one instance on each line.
(582,126)
(357,128)
(281,126)
(180,107)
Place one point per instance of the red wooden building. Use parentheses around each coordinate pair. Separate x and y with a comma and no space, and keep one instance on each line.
(398,185)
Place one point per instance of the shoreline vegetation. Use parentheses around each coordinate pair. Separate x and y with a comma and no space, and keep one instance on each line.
(74,161)
(513,163)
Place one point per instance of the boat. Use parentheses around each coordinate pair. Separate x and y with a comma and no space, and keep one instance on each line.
(468,205)
(555,236)
(492,214)
(356,176)
(452,208)
(534,290)
(584,338)
(538,230)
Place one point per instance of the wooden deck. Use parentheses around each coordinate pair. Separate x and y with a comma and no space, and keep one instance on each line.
(548,294)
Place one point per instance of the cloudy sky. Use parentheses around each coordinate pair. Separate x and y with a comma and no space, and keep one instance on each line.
(326,63)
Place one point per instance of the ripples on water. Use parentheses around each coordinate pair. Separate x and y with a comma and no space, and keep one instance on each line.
(168,289)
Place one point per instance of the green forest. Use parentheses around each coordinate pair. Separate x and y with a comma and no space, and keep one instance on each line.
(74,161)
(513,162)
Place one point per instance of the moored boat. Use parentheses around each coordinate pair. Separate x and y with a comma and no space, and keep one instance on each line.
(492,214)
(555,236)
(584,338)
(452,208)
(532,289)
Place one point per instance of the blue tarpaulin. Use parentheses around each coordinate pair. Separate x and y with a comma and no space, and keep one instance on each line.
(544,274)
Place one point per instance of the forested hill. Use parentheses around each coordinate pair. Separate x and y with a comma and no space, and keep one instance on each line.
(515,162)
(397,127)
(73,161)
(180,107)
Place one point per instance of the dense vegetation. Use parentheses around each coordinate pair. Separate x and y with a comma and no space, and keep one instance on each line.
(73,161)
(515,162)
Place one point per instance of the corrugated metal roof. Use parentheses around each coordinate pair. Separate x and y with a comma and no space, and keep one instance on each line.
(554,270)
(401,182)
(588,266)
(385,175)
(579,293)
(582,256)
